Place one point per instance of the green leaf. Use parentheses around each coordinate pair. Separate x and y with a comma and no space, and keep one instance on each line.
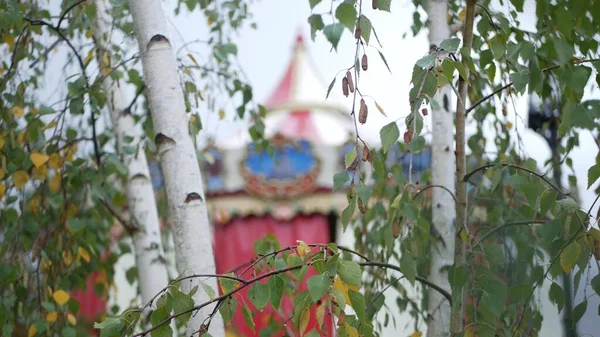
(564,51)
(493,303)
(450,45)
(158,316)
(259,294)
(313,3)
(208,290)
(111,326)
(330,87)
(569,256)
(579,310)
(557,296)
(316,24)
(364,193)
(276,290)
(357,300)
(346,13)
(384,5)
(595,283)
(181,303)
(350,272)
(338,297)
(520,79)
(416,144)
(227,309)
(569,205)
(318,286)
(227,284)
(347,213)
(548,198)
(426,61)
(389,135)
(333,33)
(350,157)
(365,28)
(385,61)
(340,179)
(408,267)
(593,175)
(248,316)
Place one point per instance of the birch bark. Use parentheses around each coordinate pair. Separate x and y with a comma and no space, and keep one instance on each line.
(149,253)
(443,210)
(183,182)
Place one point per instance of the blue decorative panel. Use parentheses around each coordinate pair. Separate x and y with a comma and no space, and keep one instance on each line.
(289,161)
(292,170)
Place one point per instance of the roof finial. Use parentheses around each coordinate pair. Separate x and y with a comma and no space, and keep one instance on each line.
(299,37)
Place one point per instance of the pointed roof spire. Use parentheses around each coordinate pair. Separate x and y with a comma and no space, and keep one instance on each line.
(300,94)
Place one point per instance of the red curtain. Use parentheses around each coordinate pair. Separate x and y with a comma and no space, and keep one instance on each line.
(234,245)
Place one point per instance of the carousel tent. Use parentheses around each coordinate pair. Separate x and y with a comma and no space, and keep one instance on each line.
(251,194)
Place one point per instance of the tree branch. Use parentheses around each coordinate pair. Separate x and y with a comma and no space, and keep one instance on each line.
(484,167)
(503,226)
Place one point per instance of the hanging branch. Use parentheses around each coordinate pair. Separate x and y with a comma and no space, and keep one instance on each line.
(461,188)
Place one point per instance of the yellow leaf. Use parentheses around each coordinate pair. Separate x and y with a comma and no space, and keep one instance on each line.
(193,60)
(9,39)
(34,111)
(55,183)
(509,125)
(71,319)
(221,113)
(84,254)
(343,287)
(463,14)
(90,33)
(321,315)
(89,56)
(470,331)
(303,323)
(2,190)
(51,317)
(380,109)
(32,331)
(67,257)
(17,111)
(40,173)
(416,334)
(303,248)
(54,161)
(20,178)
(38,159)
(350,330)
(1,142)
(35,203)
(463,236)
(2,173)
(21,138)
(61,297)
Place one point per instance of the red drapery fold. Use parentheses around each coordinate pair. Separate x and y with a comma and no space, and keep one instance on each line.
(234,245)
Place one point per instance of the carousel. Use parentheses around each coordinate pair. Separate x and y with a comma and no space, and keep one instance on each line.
(251,194)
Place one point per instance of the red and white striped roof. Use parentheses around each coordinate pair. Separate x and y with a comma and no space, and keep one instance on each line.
(297,106)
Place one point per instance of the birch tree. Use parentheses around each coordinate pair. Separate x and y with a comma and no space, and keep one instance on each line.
(442,151)
(184,190)
(149,252)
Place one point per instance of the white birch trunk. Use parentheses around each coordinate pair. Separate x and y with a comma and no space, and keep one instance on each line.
(443,206)
(185,195)
(149,253)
